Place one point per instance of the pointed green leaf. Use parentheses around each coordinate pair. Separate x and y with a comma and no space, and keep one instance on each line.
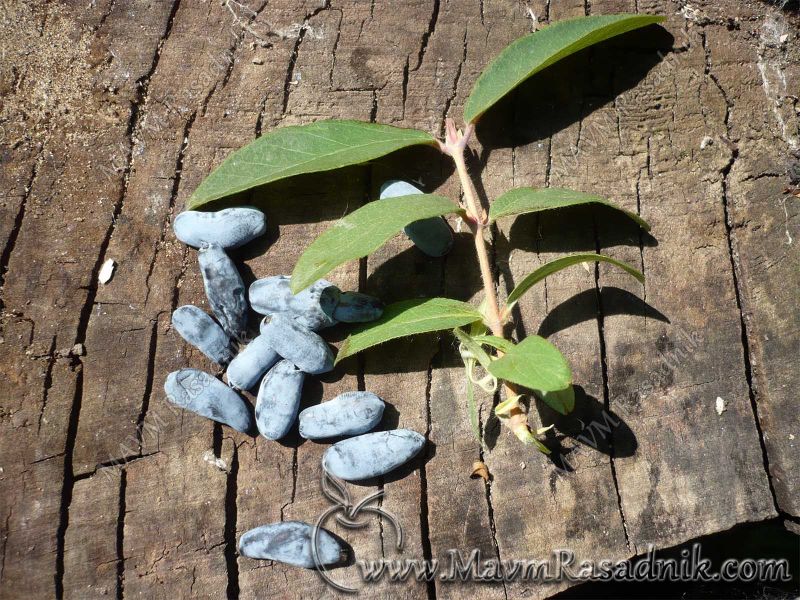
(530,200)
(495,342)
(562,401)
(363,231)
(298,149)
(562,263)
(409,317)
(536,51)
(534,363)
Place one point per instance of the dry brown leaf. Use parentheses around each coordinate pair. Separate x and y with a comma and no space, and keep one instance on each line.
(479,469)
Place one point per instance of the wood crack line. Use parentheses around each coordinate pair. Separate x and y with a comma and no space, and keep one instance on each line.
(8,249)
(601,333)
(287,83)
(86,312)
(736,272)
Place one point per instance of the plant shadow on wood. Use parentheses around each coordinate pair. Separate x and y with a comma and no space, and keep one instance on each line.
(590,426)
(583,307)
(570,90)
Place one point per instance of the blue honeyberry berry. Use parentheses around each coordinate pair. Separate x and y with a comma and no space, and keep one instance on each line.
(227,228)
(355,307)
(207,396)
(304,348)
(312,307)
(224,290)
(291,542)
(351,413)
(372,454)
(432,236)
(279,400)
(202,332)
(246,370)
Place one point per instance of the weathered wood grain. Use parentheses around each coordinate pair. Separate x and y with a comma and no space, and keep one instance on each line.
(664,378)
(761,219)
(111,115)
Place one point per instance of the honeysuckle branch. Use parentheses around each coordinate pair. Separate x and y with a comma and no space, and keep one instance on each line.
(455,145)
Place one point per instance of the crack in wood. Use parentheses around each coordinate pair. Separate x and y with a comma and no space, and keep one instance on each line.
(426,36)
(120,532)
(176,182)
(86,312)
(68,485)
(48,382)
(287,82)
(736,272)
(148,384)
(231,492)
(11,242)
(456,79)
(601,333)
(424,511)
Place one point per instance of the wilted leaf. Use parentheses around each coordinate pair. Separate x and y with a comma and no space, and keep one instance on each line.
(298,149)
(409,317)
(474,348)
(472,408)
(479,469)
(536,51)
(363,231)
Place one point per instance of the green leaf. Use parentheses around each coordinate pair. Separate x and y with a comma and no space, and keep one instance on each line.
(534,363)
(536,51)
(474,347)
(495,342)
(530,200)
(298,149)
(363,231)
(562,263)
(472,408)
(562,401)
(409,317)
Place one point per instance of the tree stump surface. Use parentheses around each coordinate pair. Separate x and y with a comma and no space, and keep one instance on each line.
(113,112)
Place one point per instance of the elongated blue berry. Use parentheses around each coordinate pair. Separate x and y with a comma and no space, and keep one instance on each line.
(291,542)
(202,332)
(312,307)
(279,400)
(301,346)
(372,454)
(224,290)
(227,228)
(355,307)
(351,413)
(432,236)
(250,364)
(205,395)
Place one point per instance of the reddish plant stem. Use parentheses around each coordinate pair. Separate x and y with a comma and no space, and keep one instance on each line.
(455,145)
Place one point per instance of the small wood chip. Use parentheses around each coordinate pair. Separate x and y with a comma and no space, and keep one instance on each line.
(106,271)
(479,469)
